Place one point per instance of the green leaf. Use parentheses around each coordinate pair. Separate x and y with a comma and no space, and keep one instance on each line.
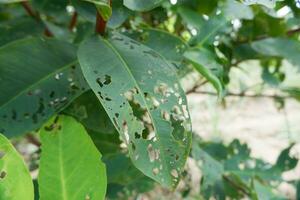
(236,10)
(264,192)
(284,161)
(70,165)
(123,178)
(88,110)
(293,91)
(103,7)
(52,7)
(212,169)
(280,47)
(15,180)
(168,45)
(10,1)
(142,5)
(205,63)
(206,29)
(119,14)
(141,94)
(38,77)
(10,30)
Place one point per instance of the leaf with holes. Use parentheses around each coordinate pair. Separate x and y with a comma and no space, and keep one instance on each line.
(49,81)
(141,94)
(142,5)
(205,63)
(70,165)
(15,180)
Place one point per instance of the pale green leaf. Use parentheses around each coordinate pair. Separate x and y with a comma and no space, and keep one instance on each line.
(70,165)
(205,63)
(236,10)
(38,77)
(142,5)
(15,180)
(141,94)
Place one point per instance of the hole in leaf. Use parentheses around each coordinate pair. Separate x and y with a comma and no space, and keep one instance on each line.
(2,175)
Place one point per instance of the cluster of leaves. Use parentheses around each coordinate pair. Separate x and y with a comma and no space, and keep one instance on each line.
(229,171)
(80,91)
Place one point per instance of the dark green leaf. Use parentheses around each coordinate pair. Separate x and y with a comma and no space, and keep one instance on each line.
(49,81)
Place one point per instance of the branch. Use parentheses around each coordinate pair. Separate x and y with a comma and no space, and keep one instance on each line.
(101,23)
(35,15)
(194,89)
(28,9)
(33,140)
(243,95)
(73,21)
(261,37)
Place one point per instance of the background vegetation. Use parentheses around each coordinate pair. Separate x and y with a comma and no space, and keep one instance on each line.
(93,94)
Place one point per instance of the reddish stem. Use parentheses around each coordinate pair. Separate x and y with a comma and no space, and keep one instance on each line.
(100,24)
(28,9)
(73,21)
(35,15)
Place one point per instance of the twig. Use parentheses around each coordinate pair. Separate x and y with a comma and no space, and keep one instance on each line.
(101,23)
(28,9)
(244,95)
(73,21)
(33,140)
(261,37)
(35,15)
(193,89)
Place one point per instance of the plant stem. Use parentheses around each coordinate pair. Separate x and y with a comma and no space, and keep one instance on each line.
(35,15)
(73,21)
(28,9)
(100,24)
(241,95)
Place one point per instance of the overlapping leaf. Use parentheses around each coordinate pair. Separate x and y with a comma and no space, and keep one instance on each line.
(15,180)
(38,77)
(103,7)
(70,165)
(142,5)
(140,92)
